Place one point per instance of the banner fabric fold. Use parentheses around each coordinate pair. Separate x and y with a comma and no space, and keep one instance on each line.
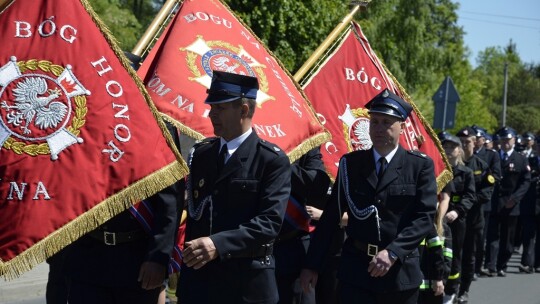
(205,36)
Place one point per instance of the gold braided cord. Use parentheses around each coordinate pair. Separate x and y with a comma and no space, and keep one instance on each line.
(91,219)
(127,65)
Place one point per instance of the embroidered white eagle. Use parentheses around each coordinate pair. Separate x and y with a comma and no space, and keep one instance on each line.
(31,103)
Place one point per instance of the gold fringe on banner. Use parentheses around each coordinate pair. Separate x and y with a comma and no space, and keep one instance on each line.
(91,219)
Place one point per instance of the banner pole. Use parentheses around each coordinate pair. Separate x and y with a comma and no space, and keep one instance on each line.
(4,4)
(153,28)
(326,43)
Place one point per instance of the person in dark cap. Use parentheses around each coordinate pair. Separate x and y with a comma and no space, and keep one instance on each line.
(237,192)
(461,201)
(529,207)
(484,183)
(492,158)
(390,197)
(515,181)
(488,144)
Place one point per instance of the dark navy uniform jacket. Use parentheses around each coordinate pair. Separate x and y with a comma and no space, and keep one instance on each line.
(492,158)
(406,200)
(241,209)
(516,178)
(530,205)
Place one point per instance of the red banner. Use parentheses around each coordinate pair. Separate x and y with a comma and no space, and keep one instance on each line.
(339,90)
(206,36)
(80,140)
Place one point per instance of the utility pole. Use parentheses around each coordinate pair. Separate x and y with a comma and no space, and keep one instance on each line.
(505,91)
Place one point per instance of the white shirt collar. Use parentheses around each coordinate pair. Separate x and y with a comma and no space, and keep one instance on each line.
(388,157)
(233,144)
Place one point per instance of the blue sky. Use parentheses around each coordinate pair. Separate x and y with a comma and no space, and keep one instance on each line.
(494,22)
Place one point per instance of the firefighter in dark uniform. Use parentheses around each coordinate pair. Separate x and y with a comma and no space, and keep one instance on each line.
(484,183)
(461,201)
(492,158)
(390,196)
(537,212)
(528,206)
(309,185)
(436,253)
(119,262)
(237,194)
(516,178)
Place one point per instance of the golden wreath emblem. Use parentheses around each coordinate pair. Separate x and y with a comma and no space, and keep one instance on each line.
(42,107)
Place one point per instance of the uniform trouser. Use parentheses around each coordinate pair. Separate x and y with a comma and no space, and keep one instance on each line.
(501,240)
(350,294)
(537,245)
(529,235)
(427,296)
(327,284)
(58,282)
(85,293)
(474,232)
(458,228)
(481,244)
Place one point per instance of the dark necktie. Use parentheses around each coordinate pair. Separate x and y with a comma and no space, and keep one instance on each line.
(505,156)
(382,167)
(222,157)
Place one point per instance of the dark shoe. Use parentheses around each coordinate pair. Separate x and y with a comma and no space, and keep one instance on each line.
(537,270)
(487,273)
(464,298)
(525,269)
(501,273)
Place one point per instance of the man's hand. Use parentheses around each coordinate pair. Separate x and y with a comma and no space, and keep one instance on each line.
(451,216)
(510,203)
(152,275)
(380,264)
(199,251)
(308,279)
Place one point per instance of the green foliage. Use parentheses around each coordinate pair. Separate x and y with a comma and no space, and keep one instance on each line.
(127,20)
(291,29)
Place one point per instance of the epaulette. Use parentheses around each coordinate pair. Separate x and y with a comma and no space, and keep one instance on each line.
(205,141)
(492,150)
(270,146)
(417,153)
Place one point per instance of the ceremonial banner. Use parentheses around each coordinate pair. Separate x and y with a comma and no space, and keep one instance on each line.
(339,90)
(206,36)
(80,140)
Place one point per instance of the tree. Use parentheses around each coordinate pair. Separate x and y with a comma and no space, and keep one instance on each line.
(292,30)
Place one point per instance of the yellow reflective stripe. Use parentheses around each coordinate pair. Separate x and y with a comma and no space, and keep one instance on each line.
(447,252)
(436,241)
(425,284)
(454,276)
(423,242)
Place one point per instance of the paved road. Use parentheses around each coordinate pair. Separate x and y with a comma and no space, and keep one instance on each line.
(516,288)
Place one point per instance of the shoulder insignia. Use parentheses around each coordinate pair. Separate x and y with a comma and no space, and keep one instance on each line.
(205,141)
(417,153)
(491,179)
(270,146)
(477,172)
